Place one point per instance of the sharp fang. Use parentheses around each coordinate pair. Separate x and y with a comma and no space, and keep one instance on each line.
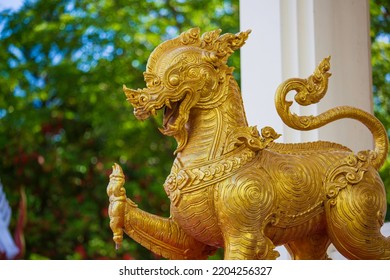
(153,112)
(168,104)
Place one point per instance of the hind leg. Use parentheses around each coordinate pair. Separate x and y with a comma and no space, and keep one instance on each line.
(310,248)
(355,217)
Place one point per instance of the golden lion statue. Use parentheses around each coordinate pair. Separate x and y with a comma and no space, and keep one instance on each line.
(230,186)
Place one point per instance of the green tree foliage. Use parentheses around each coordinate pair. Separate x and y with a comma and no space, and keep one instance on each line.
(380,52)
(64,119)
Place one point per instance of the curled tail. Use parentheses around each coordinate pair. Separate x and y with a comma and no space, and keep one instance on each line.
(310,91)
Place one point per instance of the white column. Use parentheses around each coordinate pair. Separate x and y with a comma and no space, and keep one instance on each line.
(289,38)
(261,61)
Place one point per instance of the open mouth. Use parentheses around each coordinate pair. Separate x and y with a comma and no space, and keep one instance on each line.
(170,115)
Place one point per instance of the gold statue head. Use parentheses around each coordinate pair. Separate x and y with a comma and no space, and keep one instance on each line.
(183,73)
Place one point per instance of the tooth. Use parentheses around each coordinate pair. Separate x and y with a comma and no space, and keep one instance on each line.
(153,111)
(168,104)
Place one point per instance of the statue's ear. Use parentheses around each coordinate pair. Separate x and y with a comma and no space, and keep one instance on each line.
(212,58)
(234,41)
(224,46)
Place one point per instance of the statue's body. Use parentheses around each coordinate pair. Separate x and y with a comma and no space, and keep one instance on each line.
(230,187)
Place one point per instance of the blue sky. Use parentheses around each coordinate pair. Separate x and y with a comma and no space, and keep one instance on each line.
(10,4)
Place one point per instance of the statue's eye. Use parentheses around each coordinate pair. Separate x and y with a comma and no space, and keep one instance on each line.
(143,99)
(174,80)
(153,82)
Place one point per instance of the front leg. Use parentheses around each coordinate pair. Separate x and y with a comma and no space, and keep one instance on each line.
(243,204)
(162,236)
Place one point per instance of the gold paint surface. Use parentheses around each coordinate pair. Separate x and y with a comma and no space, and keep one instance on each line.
(233,187)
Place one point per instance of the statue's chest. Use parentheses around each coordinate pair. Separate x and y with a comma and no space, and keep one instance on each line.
(195,213)
(192,204)
(191,190)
